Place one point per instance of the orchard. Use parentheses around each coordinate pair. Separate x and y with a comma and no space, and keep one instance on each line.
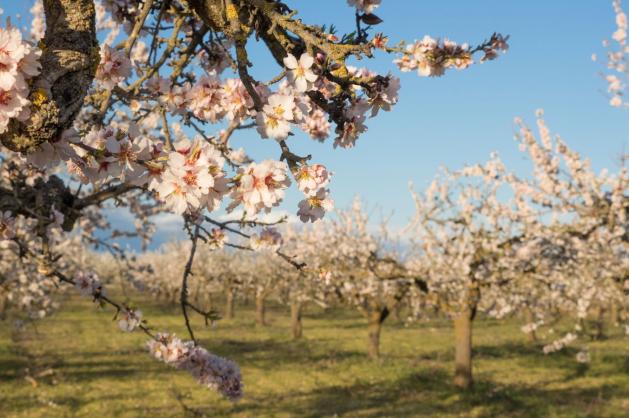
(170,165)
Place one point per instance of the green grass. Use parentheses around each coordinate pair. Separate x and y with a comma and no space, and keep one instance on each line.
(83,366)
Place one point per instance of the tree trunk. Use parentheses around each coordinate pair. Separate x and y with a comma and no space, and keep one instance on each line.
(3,304)
(395,313)
(463,350)
(599,322)
(229,304)
(530,318)
(196,296)
(208,303)
(613,314)
(375,325)
(295,319)
(260,311)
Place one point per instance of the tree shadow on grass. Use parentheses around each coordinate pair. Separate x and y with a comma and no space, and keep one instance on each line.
(427,393)
(268,354)
(84,368)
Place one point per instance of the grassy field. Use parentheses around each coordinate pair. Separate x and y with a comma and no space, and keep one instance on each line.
(76,363)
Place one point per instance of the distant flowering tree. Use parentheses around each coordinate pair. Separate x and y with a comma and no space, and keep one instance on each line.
(489,240)
(350,265)
(114,102)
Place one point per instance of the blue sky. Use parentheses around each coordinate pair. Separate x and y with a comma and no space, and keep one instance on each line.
(462,117)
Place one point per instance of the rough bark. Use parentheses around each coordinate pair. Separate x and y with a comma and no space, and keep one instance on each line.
(70,55)
(463,350)
(260,311)
(295,319)
(229,303)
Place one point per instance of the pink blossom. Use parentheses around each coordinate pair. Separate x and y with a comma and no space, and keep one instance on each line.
(236,101)
(300,74)
(87,283)
(310,178)
(313,208)
(353,126)
(114,67)
(367,6)
(275,115)
(131,319)
(206,99)
(268,239)
(12,50)
(316,125)
(260,186)
(194,177)
(384,95)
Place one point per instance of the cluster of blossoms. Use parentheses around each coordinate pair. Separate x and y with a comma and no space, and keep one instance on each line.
(291,104)
(88,284)
(131,319)
(312,180)
(19,62)
(114,67)
(560,343)
(268,239)
(38,24)
(617,62)
(193,177)
(260,186)
(27,288)
(431,57)
(210,370)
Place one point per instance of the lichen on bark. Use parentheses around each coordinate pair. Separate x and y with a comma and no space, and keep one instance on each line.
(70,55)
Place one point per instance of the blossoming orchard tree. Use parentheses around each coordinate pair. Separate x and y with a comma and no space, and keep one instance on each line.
(133,103)
(490,240)
(358,268)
